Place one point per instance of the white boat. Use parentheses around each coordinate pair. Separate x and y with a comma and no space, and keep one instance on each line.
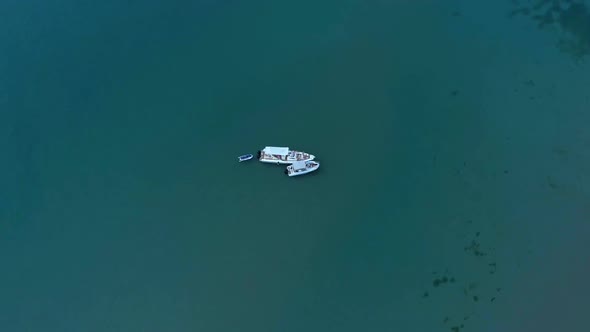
(282,155)
(302,167)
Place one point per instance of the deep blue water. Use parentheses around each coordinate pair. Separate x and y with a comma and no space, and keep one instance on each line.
(453,190)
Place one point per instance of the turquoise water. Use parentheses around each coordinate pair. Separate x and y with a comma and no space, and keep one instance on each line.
(453,190)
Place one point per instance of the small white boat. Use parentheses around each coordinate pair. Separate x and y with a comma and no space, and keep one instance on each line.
(282,155)
(302,167)
(245,157)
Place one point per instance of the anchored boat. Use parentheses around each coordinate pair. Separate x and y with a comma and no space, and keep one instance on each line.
(245,157)
(282,155)
(301,167)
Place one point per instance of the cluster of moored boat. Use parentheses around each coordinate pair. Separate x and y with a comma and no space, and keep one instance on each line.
(299,162)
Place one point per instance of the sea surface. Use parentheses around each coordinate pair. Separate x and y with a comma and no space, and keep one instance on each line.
(453,193)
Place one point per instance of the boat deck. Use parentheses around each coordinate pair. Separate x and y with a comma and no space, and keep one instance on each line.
(310,166)
(292,156)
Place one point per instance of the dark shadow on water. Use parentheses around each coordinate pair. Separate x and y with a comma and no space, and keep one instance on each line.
(480,291)
(570,17)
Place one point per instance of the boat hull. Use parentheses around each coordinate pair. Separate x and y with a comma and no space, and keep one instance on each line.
(312,168)
(245,157)
(284,162)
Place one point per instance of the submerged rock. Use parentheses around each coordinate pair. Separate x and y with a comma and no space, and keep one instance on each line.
(571,19)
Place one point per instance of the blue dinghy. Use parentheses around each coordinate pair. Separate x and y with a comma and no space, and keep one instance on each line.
(245,157)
